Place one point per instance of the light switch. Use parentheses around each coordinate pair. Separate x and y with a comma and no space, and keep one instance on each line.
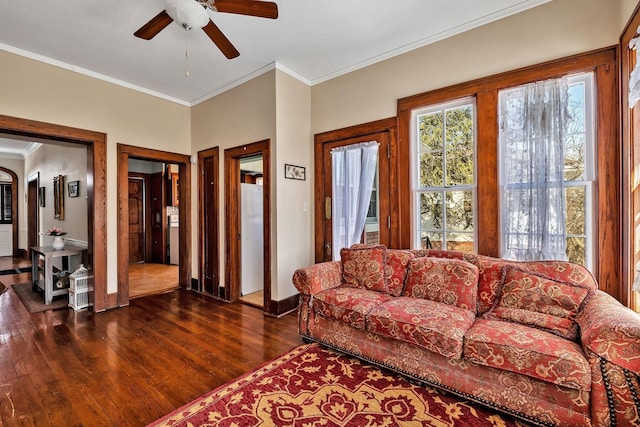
(305,207)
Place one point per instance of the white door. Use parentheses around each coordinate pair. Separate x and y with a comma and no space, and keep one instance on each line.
(6,239)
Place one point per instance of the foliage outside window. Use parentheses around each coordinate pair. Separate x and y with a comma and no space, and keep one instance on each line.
(579,171)
(444,169)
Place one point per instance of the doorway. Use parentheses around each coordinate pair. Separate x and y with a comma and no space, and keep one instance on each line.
(8,212)
(382,217)
(147,202)
(95,142)
(33,184)
(251,230)
(254,158)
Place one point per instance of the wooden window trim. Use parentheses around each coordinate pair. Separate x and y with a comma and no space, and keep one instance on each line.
(603,63)
(630,128)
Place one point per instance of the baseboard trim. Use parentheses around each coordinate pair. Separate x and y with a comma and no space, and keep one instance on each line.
(22,253)
(283,307)
(195,284)
(112,301)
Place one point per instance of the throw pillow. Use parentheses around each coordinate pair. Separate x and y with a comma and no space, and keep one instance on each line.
(449,281)
(396,270)
(539,301)
(363,267)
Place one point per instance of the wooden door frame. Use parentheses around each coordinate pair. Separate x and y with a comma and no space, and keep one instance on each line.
(184,209)
(389,126)
(14,209)
(35,177)
(211,152)
(96,143)
(232,158)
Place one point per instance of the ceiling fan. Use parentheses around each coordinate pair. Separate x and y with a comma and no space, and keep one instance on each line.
(193,14)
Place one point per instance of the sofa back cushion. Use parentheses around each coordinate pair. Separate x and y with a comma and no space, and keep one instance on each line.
(363,267)
(491,275)
(449,281)
(539,301)
(396,269)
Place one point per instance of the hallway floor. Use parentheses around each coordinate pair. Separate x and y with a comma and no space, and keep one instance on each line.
(150,279)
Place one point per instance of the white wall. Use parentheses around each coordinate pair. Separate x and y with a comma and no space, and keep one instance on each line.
(626,10)
(243,115)
(71,162)
(294,236)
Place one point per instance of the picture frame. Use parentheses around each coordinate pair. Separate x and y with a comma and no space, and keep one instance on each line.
(41,194)
(73,187)
(295,172)
(58,197)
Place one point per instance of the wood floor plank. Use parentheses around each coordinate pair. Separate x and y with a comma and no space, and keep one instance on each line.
(132,365)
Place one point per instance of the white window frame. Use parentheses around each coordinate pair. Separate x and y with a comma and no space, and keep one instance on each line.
(416,190)
(590,171)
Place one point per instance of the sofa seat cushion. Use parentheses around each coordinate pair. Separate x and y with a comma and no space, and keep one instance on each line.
(347,304)
(449,281)
(528,351)
(438,327)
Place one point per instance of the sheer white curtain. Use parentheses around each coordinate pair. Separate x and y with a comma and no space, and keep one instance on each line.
(353,169)
(533,120)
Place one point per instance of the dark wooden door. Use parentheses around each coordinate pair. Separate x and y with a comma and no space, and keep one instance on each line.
(32,213)
(209,212)
(377,229)
(136,220)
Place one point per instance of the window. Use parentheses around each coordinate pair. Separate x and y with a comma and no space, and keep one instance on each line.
(5,202)
(578,173)
(444,176)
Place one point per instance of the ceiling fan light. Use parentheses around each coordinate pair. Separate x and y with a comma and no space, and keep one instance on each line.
(188,13)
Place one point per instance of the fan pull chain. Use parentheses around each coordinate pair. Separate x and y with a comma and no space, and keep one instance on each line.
(186,55)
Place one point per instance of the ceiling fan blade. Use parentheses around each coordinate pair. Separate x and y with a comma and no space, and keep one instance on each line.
(220,40)
(153,27)
(261,9)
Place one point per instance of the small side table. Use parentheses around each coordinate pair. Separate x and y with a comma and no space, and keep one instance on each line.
(48,253)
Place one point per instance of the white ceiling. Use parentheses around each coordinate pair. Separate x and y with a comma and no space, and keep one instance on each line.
(17,149)
(313,40)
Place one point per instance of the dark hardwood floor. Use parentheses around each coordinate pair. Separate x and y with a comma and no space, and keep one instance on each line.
(128,366)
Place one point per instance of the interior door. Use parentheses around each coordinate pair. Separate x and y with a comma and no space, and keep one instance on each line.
(209,218)
(33,203)
(377,228)
(136,220)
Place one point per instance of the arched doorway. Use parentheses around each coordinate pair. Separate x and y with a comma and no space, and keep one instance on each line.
(8,217)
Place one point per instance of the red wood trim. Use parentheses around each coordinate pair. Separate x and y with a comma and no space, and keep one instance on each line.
(488,213)
(211,211)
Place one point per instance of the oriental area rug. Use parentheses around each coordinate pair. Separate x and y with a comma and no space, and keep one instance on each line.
(314,386)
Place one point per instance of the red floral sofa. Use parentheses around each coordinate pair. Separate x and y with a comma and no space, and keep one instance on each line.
(533,339)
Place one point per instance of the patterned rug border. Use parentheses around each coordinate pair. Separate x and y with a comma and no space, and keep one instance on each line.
(219,398)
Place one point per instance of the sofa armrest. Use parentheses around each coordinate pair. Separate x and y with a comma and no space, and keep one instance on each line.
(611,331)
(318,277)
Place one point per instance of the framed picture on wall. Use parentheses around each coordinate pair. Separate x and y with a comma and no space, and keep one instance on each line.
(294,172)
(41,196)
(58,197)
(74,188)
